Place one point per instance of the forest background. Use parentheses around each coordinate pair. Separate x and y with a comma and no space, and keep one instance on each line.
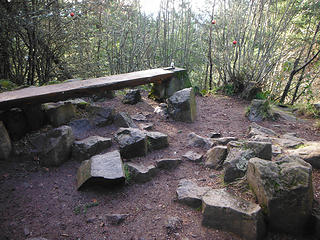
(226,46)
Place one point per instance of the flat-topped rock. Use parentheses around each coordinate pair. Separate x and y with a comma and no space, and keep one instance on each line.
(227,212)
(59,113)
(5,143)
(284,189)
(103,116)
(103,169)
(224,140)
(236,163)
(54,147)
(182,105)
(189,193)
(156,140)
(86,148)
(132,97)
(192,157)
(261,149)
(198,141)
(122,119)
(167,163)
(140,173)
(132,142)
(256,129)
(289,140)
(310,153)
(215,157)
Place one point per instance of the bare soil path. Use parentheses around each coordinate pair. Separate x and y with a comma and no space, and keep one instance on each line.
(37,201)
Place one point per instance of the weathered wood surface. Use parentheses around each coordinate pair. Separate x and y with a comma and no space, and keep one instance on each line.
(82,88)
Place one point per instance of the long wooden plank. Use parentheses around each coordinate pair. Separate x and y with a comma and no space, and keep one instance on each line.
(63,91)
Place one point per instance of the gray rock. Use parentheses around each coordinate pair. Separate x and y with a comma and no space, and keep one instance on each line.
(80,127)
(289,141)
(156,140)
(317,106)
(224,140)
(198,141)
(259,110)
(54,147)
(124,120)
(256,129)
(141,173)
(104,169)
(78,102)
(236,163)
(132,142)
(132,97)
(162,110)
(182,106)
(102,96)
(284,189)
(173,224)
(86,148)
(104,116)
(192,156)
(59,113)
(146,126)
(316,219)
(139,117)
(5,143)
(168,163)
(227,212)
(261,149)
(309,153)
(116,219)
(276,150)
(215,157)
(259,138)
(190,193)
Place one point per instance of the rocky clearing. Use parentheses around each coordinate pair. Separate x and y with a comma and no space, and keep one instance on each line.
(44,202)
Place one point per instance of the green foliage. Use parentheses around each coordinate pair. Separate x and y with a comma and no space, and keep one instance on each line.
(7,85)
(306,109)
(127,174)
(263,95)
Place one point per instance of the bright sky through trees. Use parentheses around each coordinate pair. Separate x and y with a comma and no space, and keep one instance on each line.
(152,6)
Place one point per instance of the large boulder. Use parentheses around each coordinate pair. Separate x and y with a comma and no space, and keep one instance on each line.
(289,140)
(132,142)
(284,189)
(103,116)
(86,148)
(156,140)
(182,106)
(80,127)
(133,96)
(192,157)
(141,173)
(215,157)
(54,147)
(227,212)
(198,141)
(236,163)
(5,143)
(257,130)
(122,119)
(259,110)
(104,169)
(189,193)
(59,113)
(309,153)
(261,149)
(167,163)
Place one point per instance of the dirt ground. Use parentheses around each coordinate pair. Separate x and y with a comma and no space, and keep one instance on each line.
(37,201)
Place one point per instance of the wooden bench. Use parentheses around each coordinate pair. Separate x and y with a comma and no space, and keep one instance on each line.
(58,92)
